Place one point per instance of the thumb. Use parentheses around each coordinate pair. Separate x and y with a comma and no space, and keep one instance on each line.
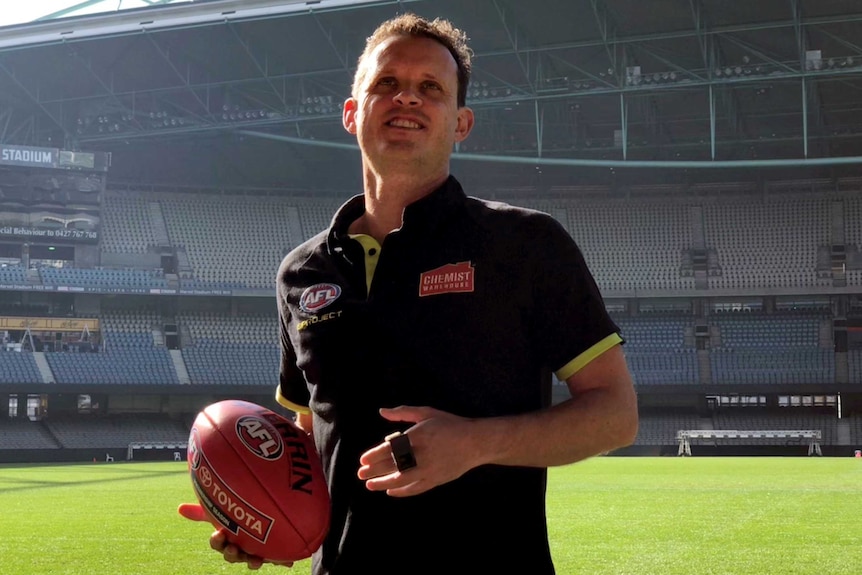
(408,413)
(192,511)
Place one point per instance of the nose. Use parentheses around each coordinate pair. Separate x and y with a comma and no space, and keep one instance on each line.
(407,97)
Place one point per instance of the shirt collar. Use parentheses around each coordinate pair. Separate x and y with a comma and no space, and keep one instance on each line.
(428,209)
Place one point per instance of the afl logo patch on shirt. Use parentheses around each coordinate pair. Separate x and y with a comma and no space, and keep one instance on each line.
(318,296)
(451,278)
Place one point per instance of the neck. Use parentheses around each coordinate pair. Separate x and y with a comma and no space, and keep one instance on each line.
(386,198)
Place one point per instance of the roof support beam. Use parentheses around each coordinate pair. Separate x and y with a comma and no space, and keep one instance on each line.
(607,30)
(712,59)
(810,94)
(327,33)
(184,79)
(513,34)
(718,30)
(69,10)
(261,68)
(17,130)
(577,162)
(34,98)
(107,86)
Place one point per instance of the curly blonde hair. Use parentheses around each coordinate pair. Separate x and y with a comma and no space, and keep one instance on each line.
(440,30)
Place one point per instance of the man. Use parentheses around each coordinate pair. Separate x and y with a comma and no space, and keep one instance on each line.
(419,334)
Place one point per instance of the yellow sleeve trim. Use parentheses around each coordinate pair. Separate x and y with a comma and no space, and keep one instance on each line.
(295,407)
(579,362)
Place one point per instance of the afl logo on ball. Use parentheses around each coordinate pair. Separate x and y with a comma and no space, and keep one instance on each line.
(260,437)
(194,449)
(318,296)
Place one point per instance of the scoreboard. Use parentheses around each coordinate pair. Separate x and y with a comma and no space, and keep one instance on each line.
(49,194)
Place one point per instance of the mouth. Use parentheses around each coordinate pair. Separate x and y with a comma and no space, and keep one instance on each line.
(404,123)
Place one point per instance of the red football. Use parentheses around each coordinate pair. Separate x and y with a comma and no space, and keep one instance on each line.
(258,475)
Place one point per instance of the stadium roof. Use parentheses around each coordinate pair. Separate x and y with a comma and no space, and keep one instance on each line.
(44,10)
(229,92)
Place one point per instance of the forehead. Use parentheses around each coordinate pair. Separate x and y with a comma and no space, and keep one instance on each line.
(416,54)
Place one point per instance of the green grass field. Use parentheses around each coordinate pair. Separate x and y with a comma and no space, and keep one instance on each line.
(607,516)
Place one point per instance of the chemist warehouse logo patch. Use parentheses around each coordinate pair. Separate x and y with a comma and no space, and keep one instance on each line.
(451,278)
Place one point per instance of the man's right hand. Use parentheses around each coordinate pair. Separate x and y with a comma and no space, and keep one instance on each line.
(219,542)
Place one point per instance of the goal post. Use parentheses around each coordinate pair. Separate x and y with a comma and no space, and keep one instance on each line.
(684,436)
(161,450)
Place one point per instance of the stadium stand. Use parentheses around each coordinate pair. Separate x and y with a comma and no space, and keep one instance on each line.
(129,355)
(231,241)
(21,433)
(18,367)
(659,350)
(231,350)
(13,274)
(661,429)
(773,241)
(126,224)
(108,431)
(769,348)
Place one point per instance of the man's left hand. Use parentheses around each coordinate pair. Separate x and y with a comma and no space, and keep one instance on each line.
(443,445)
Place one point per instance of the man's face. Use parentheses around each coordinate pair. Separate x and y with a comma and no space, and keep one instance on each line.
(405,111)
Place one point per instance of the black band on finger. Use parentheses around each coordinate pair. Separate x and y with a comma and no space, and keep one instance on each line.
(402,451)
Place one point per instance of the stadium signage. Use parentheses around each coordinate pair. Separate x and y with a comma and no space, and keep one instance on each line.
(49,234)
(31,157)
(54,158)
(48,324)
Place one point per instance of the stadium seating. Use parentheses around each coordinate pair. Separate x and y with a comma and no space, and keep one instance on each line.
(231,241)
(777,348)
(18,367)
(114,431)
(21,433)
(768,241)
(231,350)
(13,274)
(656,349)
(128,355)
(661,429)
(126,224)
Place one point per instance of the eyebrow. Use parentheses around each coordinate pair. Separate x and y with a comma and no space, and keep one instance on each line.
(391,72)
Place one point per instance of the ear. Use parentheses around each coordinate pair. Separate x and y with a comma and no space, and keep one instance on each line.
(465,123)
(348,115)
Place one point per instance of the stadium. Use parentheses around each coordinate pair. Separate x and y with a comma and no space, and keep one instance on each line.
(158,160)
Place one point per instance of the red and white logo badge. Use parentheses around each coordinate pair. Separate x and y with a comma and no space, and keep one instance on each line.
(451,278)
(318,296)
(194,449)
(226,507)
(260,437)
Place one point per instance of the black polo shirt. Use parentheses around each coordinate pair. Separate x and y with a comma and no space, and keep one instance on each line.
(469,307)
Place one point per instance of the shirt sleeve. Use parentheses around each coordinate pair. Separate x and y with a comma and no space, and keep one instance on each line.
(292,391)
(572,325)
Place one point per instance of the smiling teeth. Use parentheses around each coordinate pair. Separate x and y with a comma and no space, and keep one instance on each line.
(404,124)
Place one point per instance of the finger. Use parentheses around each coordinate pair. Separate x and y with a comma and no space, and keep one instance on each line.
(233,553)
(377,469)
(218,540)
(192,512)
(376,455)
(394,484)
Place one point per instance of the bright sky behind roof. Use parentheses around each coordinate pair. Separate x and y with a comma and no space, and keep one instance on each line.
(24,11)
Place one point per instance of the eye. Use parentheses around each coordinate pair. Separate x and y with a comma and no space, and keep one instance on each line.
(431,86)
(386,82)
